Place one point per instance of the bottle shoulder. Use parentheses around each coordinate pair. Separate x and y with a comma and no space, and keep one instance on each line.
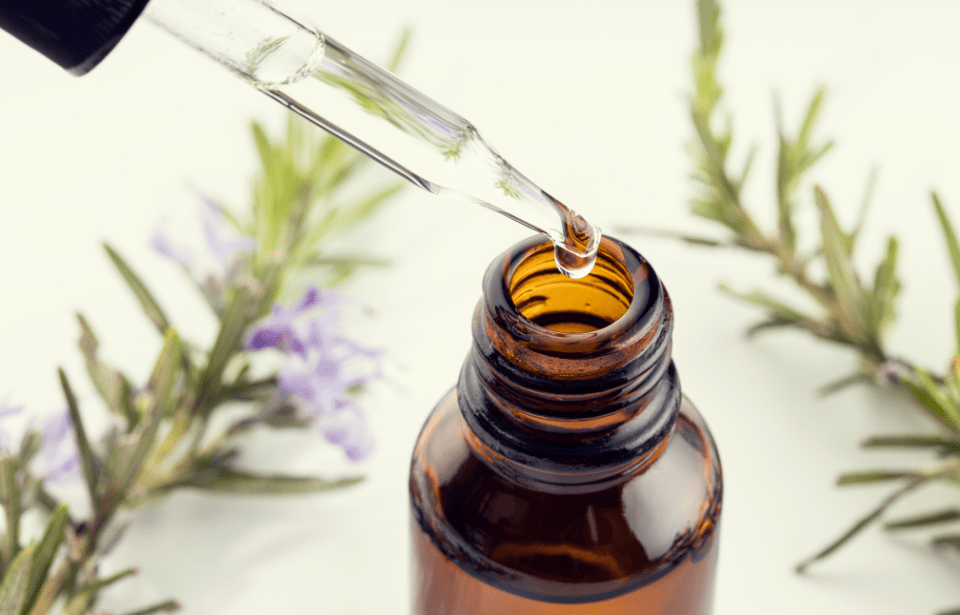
(629,530)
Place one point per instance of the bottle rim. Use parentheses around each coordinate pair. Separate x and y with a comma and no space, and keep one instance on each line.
(626,271)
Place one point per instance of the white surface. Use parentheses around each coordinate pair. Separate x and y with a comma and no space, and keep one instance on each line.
(587,98)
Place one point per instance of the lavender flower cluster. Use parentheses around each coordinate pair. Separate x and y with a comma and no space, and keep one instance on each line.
(322,373)
(323,368)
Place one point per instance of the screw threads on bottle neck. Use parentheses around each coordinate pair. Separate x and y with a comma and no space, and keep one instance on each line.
(570,380)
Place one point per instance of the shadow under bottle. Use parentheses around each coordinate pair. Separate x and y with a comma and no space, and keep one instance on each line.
(566,474)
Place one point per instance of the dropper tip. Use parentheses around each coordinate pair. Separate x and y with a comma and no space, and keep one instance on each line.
(578,263)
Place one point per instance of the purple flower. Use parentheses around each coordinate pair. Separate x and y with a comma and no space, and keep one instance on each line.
(224,247)
(7,409)
(179,254)
(323,368)
(57,459)
(280,330)
(348,429)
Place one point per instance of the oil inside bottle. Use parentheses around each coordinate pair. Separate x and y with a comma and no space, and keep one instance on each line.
(596,553)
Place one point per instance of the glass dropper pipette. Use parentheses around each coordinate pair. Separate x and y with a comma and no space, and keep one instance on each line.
(373,111)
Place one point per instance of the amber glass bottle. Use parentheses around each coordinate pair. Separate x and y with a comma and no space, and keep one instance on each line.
(566,474)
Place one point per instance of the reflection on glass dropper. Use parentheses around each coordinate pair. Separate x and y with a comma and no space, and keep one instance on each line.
(373,111)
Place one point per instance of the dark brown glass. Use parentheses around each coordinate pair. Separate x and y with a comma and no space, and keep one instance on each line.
(566,474)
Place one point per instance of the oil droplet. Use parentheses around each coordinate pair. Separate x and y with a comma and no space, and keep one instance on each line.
(571,264)
(577,254)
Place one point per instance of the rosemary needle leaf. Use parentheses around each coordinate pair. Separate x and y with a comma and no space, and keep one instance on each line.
(99,584)
(930,401)
(10,499)
(865,204)
(669,234)
(400,50)
(166,371)
(709,209)
(264,148)
(862,523)
(913,441)
(951,541)
(109,382)
(952,380)
(812,157)
(43,555)
(714,153)
(29,445)
(777,308)
(956,318)
(79,604)
(284,416)
(127,456)
(886,288)
(711,36)
(14,587)
(787,176)
(842,383)
(942,516)
(368,206)
(168,606)
(225,480)
(934,391)
(953,245)
(332,167)
(233,323)
(747,165)
(874,476)
(88,460)
(248,390)
(842,276)
(766,325)
(143,295)
(813,110)
(342,260)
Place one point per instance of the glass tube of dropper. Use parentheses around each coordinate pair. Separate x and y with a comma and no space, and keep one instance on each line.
(373,111)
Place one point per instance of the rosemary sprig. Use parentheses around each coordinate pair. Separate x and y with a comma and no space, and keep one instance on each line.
(163,437)
(854,310)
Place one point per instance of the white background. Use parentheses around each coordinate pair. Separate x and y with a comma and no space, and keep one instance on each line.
(586,98)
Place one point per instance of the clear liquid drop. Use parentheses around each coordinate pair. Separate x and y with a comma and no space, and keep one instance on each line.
(571,264)
(576,254)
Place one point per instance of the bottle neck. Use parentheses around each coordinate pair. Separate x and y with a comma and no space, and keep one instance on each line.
(570,381)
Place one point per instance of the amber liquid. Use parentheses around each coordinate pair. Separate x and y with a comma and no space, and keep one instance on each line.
(684,590)
(534,553)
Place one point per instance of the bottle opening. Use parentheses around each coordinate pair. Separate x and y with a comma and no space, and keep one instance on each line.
(545,296)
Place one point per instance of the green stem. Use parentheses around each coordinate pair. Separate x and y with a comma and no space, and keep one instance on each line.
(168,606)
(877,512)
